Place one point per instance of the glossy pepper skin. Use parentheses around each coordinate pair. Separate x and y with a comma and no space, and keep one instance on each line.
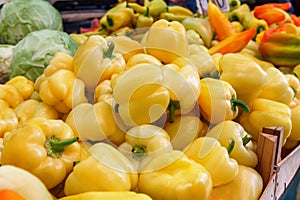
(106,195)
(172,41)
(266,113)
(281,49)
(208,152)
(172,176)
(144,20)
(218,101)
(221,24)
(116,171)
(242,151)
(11,95)
(8,118)
(247,184)
(47,148)
(277,87)
(295,109)
(140,95)
(23,85)
(244,74)
(62,90)
(92,71)
(144,141)
(32,108)
(98,123)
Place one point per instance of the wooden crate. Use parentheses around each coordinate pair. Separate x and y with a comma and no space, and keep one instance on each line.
(277,172)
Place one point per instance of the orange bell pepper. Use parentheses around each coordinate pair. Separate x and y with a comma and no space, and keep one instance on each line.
(283,6)
(233,43)
(220,22)
(270,14)
(295,19)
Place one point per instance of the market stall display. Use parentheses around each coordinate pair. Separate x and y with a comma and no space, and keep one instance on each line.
(155,102)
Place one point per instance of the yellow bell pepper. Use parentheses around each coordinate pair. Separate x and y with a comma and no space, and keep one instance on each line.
(27,185)
(142,58)
(166,40)
(103,92)
(23,85)
(8,118)
(95,61)
(11,95)
(140,95)
(295,131)
(242,151)
(244,74)
(32,108)
(200,59)
(106,169)
(118,195)
(294,83)
(266,113)
(62,90)
(183,130)
(208,152)
(277,87)
(144,141)
(97,124)
(247,184)
(172,175)
(184,86)
(218,101)
(60,60)
(45,147)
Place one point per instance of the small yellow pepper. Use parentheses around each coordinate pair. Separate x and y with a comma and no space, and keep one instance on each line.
(172,175)
(247,184)
(118,195)
(45,147)
(103,92)
(266,113)
(106,169)
(295,131)
(97,124)
(140,95)
(32,108)
(142,58)
(11,95)
(208,152)
(244,74)
(277,87)
(166,40)
(183,130)
(62,90)
(95,61)
(144,20)
(242,151)
(218,101)
(144,141)
(23,85)
(294,83)
(8,118)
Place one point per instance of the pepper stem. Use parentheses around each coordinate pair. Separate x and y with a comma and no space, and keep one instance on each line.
(173,106)
(230,145)
(108,52)
(246,139)
(147,12)
(55,147)
(236,102)
(139,151)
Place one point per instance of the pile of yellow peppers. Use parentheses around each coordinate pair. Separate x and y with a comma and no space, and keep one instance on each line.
(157,118)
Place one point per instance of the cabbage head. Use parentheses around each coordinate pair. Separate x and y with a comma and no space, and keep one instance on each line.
(34,52)
(18,18)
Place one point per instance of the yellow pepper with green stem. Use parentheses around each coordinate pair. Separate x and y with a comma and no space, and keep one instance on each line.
(208,152)
(144,141)
(172,175)
(266,113)
(218,101)
(45,147)
(242,151)
(106,169)
(248,184)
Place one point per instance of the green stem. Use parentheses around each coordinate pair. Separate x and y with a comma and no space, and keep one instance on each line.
(108,52)
(246,139)
(109,20)
(55,147)
(173,106)
(230,145)
(139,151)
(260,29)
(147,12)
(238,103)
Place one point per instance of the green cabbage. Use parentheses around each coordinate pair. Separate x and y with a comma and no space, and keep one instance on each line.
(33,53)
(18,18)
